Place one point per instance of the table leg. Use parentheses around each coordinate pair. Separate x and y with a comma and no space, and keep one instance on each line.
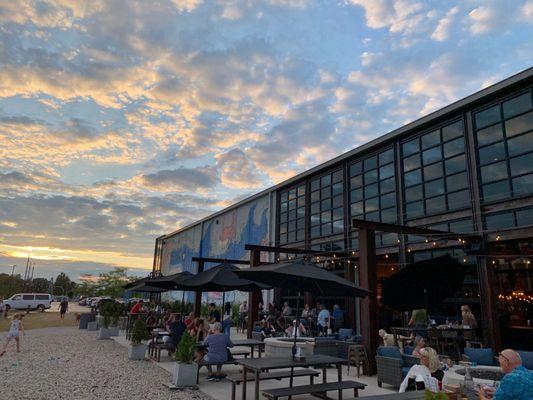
(256,385)
(339,376)
(324,375)
(243,389)
(252,351)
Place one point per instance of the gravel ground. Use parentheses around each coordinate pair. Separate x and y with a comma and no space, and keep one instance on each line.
(68,363)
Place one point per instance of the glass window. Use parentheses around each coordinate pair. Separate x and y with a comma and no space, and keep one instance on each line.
(337,188)
(524,217)
(494,172)
(338,226)
(315,196)
(414,209)
(356,195)
(326,229)
(283,197)
(300,235)
(301,190)
(315,207)
(356,181)
(492,153)
(355,169)
(386,157)
(370,163)
(325,216)
(411,162)
(389,215)
(372,216)
(487,117)
(454,147)
(456,182)
(386,171)
(490,135)
(459,200)
(452,131)
(315,231)
(455,164)
(434,188)
(387,185)
(292,194)
(413,178)
(496,191)
(291,226)
(337,176)
(523,185)
(461,226)
(283,207)
(413,193)
(326,204)
(338,201)
(521,165)
(315,184)
(301,212)
(325,192)
(357,208)
(283,238)
(301,223)
(433,171)
(372,204)
(435,204)
(315,219)
(292,204)
(519,124)
(371,176)
(410,147)
(431,155)
(517,105)
(325,180)
(371,190)
(431,139)
(520,144)
(338,213)
(499,221)
(388,200)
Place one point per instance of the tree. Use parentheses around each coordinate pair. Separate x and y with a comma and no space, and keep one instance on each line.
(9,285)
(40,285)
(111,283)
(63,286)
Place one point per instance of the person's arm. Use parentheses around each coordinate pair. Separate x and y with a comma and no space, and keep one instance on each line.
(22,328)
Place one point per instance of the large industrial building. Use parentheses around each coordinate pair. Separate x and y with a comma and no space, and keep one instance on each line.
(466,168)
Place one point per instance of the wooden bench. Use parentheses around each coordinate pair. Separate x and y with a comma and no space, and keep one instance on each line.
(278,375)
(320,388)
(154,350)
(233,361)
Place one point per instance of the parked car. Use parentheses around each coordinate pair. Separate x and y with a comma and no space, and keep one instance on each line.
(33,301)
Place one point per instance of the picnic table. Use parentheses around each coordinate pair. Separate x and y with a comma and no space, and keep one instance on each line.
(260,365)
(251,343)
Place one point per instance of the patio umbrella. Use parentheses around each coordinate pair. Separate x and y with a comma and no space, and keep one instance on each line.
(144,288)
(423,284)
(305,276)
(173,282)
(135,283)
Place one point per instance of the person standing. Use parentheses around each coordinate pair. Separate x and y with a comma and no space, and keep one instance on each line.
(323,319)
(63,308)
(227,318)
(338,317)
(14,332)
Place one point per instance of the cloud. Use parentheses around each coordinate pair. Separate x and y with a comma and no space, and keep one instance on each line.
(182,179)
(238,171)
(442,31)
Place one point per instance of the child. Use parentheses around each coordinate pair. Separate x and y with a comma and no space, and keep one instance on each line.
(14,331)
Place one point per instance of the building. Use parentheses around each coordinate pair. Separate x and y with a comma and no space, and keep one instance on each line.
(466,168)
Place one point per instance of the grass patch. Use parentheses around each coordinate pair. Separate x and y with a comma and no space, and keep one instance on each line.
(36,320)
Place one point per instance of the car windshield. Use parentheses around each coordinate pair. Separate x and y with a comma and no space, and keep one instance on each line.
(15,297)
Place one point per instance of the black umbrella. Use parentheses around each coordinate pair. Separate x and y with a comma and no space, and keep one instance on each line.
(144,288)
(423,284)
(173,282)
(305,276)
(136,282)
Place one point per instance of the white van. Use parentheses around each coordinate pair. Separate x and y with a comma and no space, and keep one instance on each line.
(34,301)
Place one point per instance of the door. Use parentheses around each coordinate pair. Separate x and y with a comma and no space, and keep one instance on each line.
(28,300)
(16,301)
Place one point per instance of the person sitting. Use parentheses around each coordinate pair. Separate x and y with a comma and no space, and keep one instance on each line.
(517,384)
(176,329)
(306,311)
(266,329)
(218,344)
(287,310)
(338,317)
(137,307)
(425,375)
(419,343)
(468,319)
(190,320)
(323,319)
(301,331)
(151,320)
(167,319)
(273,313)
(388,338)
(214,314)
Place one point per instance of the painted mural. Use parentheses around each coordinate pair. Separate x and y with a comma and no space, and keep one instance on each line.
(223,237)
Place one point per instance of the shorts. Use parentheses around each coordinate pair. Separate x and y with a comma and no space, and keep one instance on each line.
(13,335)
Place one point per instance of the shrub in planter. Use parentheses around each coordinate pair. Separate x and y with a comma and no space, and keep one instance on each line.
(139,333)
(185,371)
(106,312)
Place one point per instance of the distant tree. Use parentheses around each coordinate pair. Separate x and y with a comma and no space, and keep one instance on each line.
(40,285)
(9,285)
(111,283)
(63,285)
(87,288)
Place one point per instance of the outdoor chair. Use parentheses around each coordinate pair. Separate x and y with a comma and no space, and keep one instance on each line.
(392,366)
(326,345)
(345,334)
(257,336)
(357,356)
(408,350)
(450,343)
(433,338)
(527,358)
(479,356)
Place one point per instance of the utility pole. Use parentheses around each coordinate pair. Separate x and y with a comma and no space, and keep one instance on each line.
(13,270)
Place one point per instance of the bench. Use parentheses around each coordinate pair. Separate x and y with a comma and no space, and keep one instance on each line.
(320,388)
(278,375)
(233,361)
(154,350)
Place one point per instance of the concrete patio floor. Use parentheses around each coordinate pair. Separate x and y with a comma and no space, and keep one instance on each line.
(222,390)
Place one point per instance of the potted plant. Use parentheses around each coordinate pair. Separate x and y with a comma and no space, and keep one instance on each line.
(185,371)
(106,312)
(116,312)
(139,333)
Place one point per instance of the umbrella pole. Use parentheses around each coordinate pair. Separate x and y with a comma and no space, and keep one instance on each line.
(182,302)
(295,327)
(223,305)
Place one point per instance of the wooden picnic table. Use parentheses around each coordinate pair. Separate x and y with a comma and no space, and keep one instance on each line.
(251,343)
(259,365)
(414,395)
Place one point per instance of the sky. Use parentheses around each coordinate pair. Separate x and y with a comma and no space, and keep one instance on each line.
(121,121)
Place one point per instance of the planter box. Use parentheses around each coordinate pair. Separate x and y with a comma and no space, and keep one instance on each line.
(104,333)
(113,331)
(184,375)
(137,351)
(92,326)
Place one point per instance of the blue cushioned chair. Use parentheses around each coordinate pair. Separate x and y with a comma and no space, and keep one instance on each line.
(392,366)
(479,356)
(527,358)
(408,350)
(345,334)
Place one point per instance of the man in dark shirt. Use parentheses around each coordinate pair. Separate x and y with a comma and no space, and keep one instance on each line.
(63,308)
(214,314)
(177,327)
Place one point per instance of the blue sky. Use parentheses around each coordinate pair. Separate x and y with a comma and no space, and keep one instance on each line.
(124,120)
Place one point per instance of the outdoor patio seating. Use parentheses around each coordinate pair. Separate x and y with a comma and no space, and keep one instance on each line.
(392,366)
(527,358)
(450,343)
(479,356)
(357,356)
(320,388)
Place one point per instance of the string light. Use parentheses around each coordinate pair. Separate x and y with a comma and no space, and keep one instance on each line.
(498,237)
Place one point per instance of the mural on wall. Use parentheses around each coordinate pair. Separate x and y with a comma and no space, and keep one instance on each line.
(223,237)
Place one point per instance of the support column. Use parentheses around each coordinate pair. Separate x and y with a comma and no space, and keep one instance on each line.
(369,305)
(491,326)
(198,295)
(254,298)
(349,312)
